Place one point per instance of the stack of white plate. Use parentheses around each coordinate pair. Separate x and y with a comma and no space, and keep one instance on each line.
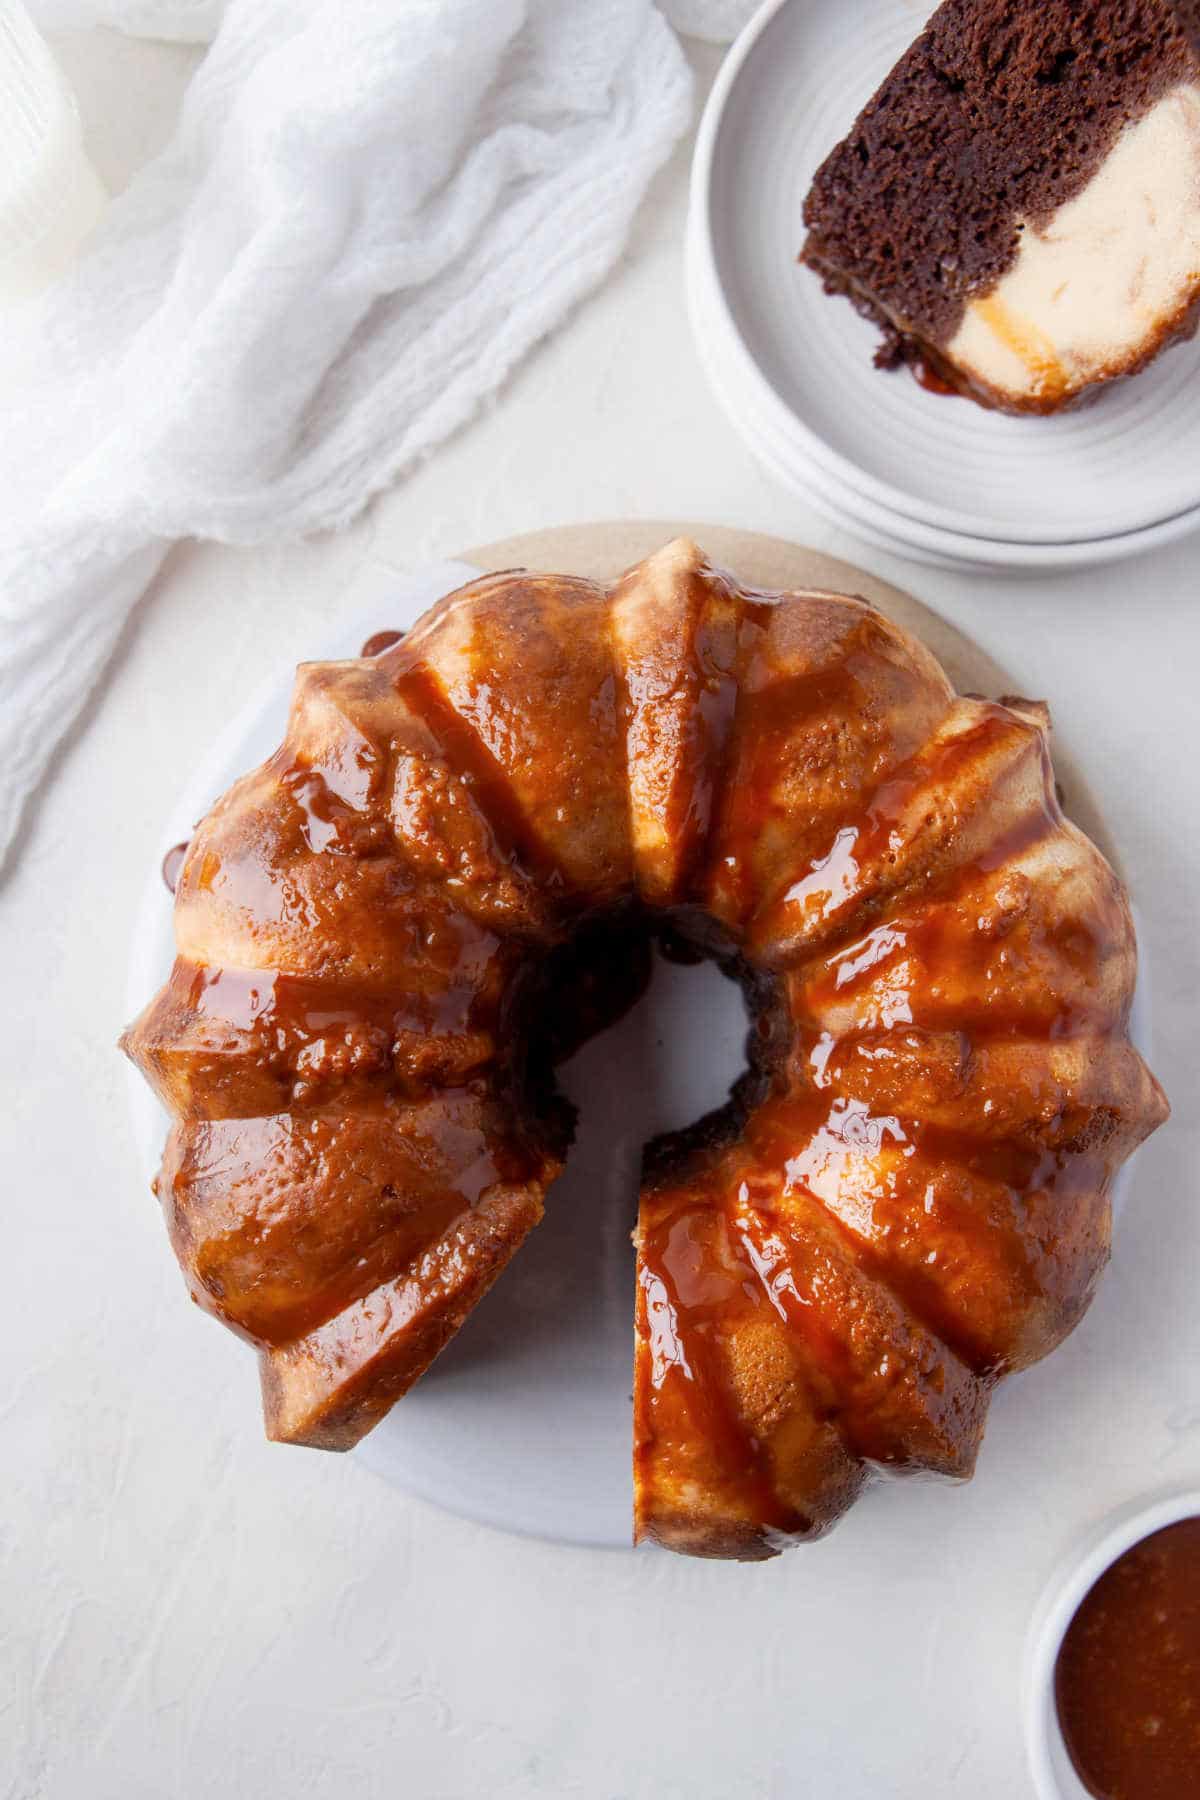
(936,478)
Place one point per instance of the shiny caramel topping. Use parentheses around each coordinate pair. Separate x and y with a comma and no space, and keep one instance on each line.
(515,835)
(928,377)
(695,1286)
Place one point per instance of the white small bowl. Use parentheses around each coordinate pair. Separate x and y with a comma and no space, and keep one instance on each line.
(1054,1776)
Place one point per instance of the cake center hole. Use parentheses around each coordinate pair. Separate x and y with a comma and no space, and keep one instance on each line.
(670,1060)
(635,1036)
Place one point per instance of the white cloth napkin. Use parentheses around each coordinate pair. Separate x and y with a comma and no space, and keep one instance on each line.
(370,211)
(196,21)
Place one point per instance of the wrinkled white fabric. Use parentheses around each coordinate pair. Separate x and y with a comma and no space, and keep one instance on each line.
(183,21)
(195,21)
(369,213)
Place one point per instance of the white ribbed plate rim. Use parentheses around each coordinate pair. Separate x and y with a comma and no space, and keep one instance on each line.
(788,89)
(877,525)
(811,483)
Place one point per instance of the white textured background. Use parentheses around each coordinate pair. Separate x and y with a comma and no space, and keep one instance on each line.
(185,1610)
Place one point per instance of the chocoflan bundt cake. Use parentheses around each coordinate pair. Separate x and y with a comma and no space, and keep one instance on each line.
(389,933)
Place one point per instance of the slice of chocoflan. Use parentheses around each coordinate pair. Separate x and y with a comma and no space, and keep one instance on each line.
(1019,204)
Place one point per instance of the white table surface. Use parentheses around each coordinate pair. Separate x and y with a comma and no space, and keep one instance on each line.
(187,1610)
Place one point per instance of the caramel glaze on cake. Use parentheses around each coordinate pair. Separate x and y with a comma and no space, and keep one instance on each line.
(446,878)
(1018,206)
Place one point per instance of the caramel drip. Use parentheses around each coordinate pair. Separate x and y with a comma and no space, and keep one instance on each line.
(687,1295)
(329,1388)
(676,686)
(872,1174)
(770,1262)
(867,838)
(767,712)
(1030,1266)
(803,1273)
(466,753)
(716,708)
(900,955)
(300,1008)
(780,1133)
(921,1298)
(937,767)
(1032,348)
(927,376)
(226,1042)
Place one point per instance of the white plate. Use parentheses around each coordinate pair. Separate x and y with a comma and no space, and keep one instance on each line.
(524,1422)
(788,90)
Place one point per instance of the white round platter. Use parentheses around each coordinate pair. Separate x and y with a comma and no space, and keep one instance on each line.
(789,89)
(524,1422)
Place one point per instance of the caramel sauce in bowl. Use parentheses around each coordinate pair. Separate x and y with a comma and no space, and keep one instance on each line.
(1086,1631)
